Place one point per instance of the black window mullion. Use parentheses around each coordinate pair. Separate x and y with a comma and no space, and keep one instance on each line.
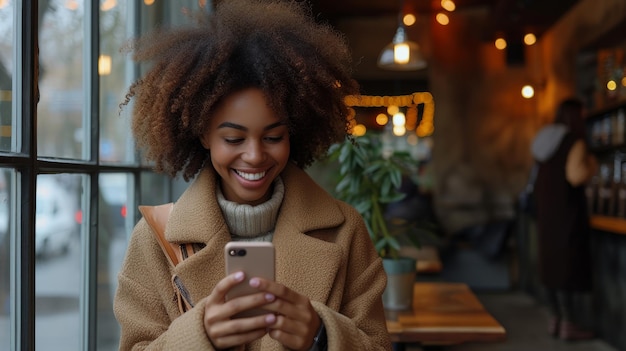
(91,118)
(26,75)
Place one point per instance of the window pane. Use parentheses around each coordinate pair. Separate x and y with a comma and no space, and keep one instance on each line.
(6,72)
(116,145)
(5,297)
(155,189)
(60,125)
(58,267)
(115,191)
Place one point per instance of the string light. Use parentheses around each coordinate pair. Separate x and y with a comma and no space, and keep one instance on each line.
(382,119)
(528,91)
(442,18)
(611,85)
(500,44)
(409,19)
(530,39)
(425,127)
(448,5)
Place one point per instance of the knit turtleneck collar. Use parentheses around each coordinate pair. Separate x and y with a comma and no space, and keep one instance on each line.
(247,222)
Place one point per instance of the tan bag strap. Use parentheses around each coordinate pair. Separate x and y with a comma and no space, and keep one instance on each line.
(157,217)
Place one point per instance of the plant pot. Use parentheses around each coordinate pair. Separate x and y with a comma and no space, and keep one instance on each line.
(398,294)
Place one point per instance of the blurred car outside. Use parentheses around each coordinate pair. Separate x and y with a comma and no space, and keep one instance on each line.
(56,218)
(114,193)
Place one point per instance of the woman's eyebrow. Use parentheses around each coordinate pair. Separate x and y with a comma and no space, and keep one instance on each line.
(242,128)
(274,125)
(232,125)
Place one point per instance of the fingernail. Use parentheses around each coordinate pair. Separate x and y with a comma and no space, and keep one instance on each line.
(269,297)
(254,282)
(270,318)
(239,276)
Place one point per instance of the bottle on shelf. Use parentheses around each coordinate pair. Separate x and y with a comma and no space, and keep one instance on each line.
(615,184)
(621,195)
(620,132)
(604,190)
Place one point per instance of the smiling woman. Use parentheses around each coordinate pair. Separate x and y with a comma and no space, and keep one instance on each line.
(244,122)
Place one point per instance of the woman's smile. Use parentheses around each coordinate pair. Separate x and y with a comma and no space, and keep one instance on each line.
(250,176)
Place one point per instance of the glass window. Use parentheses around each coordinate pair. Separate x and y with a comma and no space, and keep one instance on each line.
(58,274)
(58,268)
(116,144)
(6,72)
(62,93)
(6,176)
(113,228)
(155,189)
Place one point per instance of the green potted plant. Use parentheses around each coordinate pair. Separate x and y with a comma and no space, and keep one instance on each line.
(369,178)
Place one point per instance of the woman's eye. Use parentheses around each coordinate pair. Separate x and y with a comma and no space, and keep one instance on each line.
(275,139)
(233,140)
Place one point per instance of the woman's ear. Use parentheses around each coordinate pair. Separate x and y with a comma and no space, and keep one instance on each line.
(204,140)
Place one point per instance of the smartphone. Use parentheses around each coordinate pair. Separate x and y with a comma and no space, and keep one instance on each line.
(255,259)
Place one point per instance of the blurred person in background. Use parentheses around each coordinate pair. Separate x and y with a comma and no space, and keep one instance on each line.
(564,259)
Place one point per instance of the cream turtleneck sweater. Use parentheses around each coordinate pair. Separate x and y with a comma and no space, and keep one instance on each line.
(252,223)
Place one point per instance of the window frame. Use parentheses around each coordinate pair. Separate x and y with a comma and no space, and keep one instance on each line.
(24,160)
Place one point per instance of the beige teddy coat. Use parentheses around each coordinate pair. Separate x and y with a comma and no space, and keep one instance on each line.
(322,251)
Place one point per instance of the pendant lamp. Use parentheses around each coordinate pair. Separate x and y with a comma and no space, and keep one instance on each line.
(401,54)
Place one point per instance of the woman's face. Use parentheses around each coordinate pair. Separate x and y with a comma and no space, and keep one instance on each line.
(249,146)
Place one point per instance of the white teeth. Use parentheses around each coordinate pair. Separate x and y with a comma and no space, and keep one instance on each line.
(250,176)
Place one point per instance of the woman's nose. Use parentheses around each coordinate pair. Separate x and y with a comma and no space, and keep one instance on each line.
(254,152)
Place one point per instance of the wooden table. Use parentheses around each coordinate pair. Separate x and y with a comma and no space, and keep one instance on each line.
(427,259)
(443,314)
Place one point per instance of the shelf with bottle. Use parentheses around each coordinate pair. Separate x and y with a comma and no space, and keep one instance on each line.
(608,224)
(606,194)
(606,129)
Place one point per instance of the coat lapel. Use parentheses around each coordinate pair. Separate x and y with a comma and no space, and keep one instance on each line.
(305,263)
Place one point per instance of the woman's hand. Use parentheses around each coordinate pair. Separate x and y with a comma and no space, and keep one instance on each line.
(223,330)
(296,321)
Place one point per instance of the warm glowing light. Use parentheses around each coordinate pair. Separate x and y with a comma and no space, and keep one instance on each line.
(359,130)
(398,119)
(409,19)
(530,39)
(382,119)
(104,65)
(528,91)
(392,109)
(148,2)
(443,19)
(3,3)
(202,3)
(108,5)
(71,5)
(425,126)
(500,44)
(611,85)
(401,53)
(624,82)
(399,130)
(448,5)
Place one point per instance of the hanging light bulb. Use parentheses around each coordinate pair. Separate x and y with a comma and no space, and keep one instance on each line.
(401,54)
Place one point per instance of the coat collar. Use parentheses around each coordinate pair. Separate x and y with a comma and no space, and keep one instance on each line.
(197,218)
